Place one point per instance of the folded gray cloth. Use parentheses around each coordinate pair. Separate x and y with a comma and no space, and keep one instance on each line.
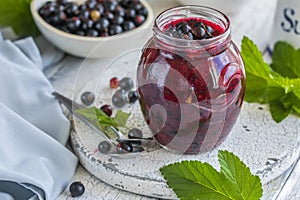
(33,128)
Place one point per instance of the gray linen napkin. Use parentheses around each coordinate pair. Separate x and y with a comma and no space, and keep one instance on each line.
(33,129)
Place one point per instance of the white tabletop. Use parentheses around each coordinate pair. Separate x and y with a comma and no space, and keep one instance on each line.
(254,20)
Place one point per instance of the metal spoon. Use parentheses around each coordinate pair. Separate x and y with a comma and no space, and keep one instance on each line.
(72,106)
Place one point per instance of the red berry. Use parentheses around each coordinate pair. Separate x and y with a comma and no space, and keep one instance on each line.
(139,19)
(107,109)
(114,82)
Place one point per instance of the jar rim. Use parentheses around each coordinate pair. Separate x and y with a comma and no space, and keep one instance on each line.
(208,11)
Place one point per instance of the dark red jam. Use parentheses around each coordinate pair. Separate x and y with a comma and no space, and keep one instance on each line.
(190,101)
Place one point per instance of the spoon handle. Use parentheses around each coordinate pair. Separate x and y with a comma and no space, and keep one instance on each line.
(72,106)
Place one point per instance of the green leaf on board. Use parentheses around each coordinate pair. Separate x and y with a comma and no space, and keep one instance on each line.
(248,185)
(276,84)
(93,113)
(192,180)
(279,111)
(286,60)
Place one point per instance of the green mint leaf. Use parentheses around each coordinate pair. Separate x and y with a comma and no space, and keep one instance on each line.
(248,185)
(253,59)
(287,84)
(291,101)
(258,72)
(285,60)
(95,114)
(273,93)
(276,84)
(17,15)
(90,113)
(193,180)
(296,101)
(105,121)
(255,88)
(297,93)
(278,111)
(121,118)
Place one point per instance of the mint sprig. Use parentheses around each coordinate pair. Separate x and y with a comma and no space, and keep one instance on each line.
(277,84)
(94,114)
(192,180)
(16,14)
(286,60)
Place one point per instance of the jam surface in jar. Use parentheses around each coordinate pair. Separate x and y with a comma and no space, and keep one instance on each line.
(192,29)
(190,98)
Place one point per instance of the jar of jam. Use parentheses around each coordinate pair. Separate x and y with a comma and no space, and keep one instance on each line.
(191,79)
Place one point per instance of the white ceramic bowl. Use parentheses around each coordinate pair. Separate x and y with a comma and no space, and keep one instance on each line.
(94,47)
(225,6)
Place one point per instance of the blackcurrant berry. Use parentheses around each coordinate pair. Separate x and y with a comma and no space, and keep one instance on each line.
(86,24)
(199,32)
(183,27)
(73,24)
(126,83)
(118,20)
(92,33)
(133,96)
(135,133)
(125,146)
(128,25)
(71,9)
(84,14)
(119,11)
(91,4)
(115,29)
(138,149)
(87,98)
(108,15)
(100,8)
(104,147)
(130,13)
(76,189)
(119,98)
(143,11)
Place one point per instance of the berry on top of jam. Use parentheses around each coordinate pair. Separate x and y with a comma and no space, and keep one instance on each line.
(193,29)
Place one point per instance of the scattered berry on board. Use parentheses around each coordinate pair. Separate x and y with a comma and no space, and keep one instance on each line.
(87,98)
(107,109)
(76,189)
(126,83)
(125,146)
(104,147)
(119,98)
(135,133)
(133,96)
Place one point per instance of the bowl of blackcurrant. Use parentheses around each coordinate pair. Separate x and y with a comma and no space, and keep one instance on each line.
(94,28)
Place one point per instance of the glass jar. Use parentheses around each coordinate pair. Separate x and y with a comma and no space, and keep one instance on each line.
(191,90)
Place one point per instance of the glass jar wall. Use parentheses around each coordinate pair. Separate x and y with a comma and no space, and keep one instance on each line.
(191,79)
